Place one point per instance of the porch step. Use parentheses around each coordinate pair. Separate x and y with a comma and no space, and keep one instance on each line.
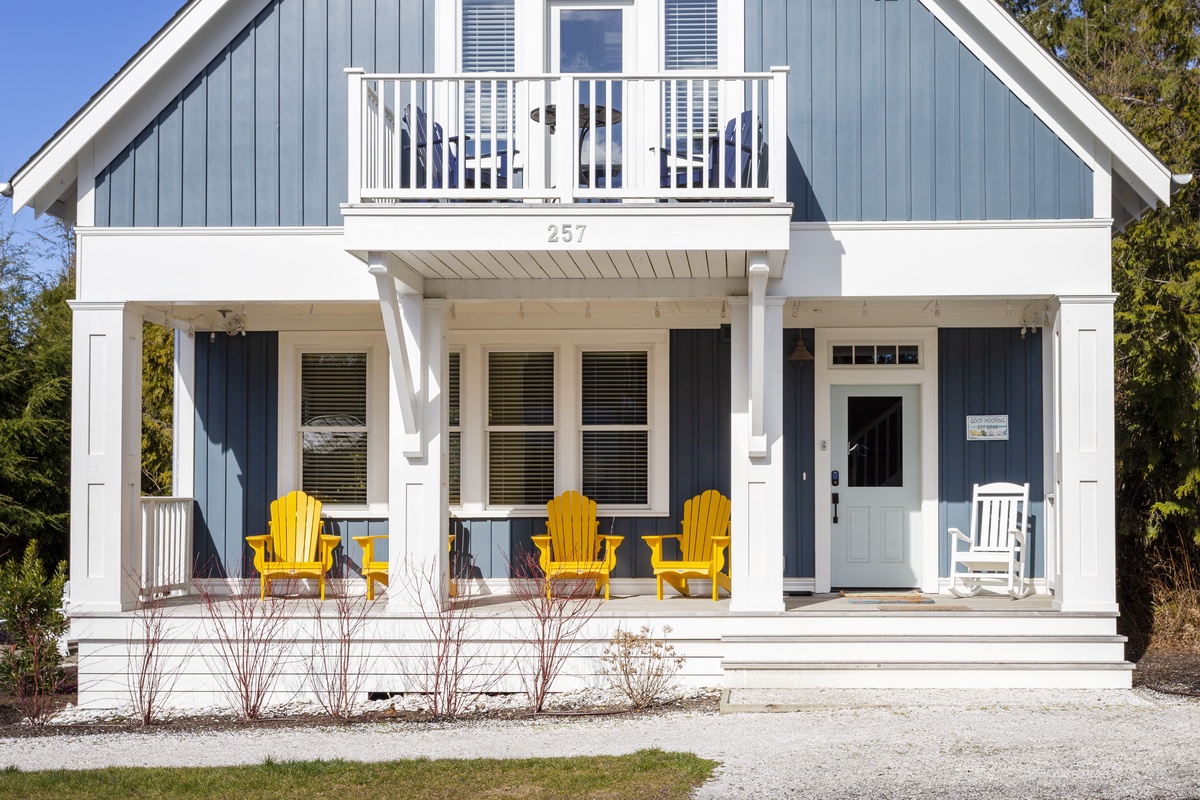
(925,661)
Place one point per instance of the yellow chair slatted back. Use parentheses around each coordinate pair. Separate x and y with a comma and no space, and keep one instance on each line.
(571,523)
(704,516)
(295,527)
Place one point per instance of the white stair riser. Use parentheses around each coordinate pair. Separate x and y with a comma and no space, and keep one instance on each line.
(916,651)
(997,678)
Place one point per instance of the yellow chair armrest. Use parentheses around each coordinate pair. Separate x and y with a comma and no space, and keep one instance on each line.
(367,543)
(328,544)
(261,545)
(656,544)
(542,543)
(720,543)
(610,550)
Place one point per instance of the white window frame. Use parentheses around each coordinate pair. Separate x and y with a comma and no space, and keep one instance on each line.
(292,346)
(568,347)
(532,26)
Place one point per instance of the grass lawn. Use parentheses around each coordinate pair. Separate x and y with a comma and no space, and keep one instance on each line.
(645,774)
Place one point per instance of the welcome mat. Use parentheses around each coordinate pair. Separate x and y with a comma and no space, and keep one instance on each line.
(875,598)
(919,607)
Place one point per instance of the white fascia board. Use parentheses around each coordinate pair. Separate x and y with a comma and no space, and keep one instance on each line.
(202,265)
(171,59)
(980,23)
(977,259)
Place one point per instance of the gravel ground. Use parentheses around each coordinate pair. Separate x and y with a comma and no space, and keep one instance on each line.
(841,744)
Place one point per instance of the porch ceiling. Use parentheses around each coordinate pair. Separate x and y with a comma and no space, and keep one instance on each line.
(519,241)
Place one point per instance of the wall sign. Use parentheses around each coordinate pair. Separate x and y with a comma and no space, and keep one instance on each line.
(987,427)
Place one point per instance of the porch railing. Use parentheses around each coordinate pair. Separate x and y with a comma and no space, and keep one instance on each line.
(568,138)
(164,561)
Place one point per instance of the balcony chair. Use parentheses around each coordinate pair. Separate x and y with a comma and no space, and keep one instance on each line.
(571,548)
(702,545)
(997,546)
(295,547)
(437,157)
(679,169)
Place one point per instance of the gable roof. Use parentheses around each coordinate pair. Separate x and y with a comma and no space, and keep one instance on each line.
(197,32)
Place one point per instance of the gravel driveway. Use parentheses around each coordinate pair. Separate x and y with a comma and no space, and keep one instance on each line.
(839,744)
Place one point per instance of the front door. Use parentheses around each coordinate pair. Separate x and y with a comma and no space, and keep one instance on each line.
(876,441)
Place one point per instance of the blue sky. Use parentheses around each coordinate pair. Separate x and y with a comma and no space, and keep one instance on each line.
(56,55)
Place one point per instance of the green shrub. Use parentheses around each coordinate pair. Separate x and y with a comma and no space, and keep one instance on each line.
(31,607)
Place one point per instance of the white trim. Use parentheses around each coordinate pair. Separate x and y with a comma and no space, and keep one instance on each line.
(183,450)
(567,345)
(947,225)
(292,344)
(926,378)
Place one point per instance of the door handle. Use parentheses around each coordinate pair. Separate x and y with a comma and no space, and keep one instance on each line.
(835,508)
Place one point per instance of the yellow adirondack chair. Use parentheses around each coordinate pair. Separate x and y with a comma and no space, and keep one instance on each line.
(295,547)
(701,545)
(571,547)
(377,571)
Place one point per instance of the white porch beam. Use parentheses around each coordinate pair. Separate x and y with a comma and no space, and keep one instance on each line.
(402,347)
(106,448)
(1085,504)
(756,492)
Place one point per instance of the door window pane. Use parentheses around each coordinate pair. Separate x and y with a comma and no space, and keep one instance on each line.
(520,432)
(875,441)
(333,426)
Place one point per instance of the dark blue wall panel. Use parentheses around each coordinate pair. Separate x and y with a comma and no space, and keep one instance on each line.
(237,402)
(890,117)
(989,371)
(799,477)
(259,137)
(699,448)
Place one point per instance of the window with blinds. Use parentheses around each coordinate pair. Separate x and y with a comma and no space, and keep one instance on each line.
(690,42)
(333,426)
(614,417)
(488,45)
(520,428)
(454,424)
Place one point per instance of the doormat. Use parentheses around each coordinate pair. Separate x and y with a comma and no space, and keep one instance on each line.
(908,600)
(919,607)
(877,598)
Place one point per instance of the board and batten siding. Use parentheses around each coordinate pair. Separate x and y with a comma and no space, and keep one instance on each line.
(989,371)
(799,459)
(890,117)
(259,137)
(237,406)
(700,460)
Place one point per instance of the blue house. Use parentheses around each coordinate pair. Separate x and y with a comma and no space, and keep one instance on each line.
(435,263)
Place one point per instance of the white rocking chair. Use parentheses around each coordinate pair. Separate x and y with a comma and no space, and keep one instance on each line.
(998,542)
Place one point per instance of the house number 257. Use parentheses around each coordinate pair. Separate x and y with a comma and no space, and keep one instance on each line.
(565,233)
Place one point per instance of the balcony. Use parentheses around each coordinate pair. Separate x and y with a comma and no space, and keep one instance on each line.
(675,172)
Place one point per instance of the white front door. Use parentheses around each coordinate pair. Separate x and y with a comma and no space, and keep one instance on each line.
(876,455)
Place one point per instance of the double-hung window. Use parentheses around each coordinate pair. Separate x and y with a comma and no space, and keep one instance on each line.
(536,421)
(332,419)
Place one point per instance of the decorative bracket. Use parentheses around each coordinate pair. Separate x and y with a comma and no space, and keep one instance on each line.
(403,351)
(758,271)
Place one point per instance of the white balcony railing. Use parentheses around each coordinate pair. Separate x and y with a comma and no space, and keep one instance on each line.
(165,560)
(568,138)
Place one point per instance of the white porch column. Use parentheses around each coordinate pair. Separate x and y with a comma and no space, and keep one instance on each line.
(183,439)
(756,376)
(418,501)
(1086,461)
(106,452)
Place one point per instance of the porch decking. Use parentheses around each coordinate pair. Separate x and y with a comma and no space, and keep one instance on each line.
(817,641)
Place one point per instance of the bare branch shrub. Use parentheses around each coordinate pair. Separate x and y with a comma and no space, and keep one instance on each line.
(1175,592)
(640,666)
(148,678)
(554,617)
(253,641)
(447,664)
(33,623)
(337,672)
